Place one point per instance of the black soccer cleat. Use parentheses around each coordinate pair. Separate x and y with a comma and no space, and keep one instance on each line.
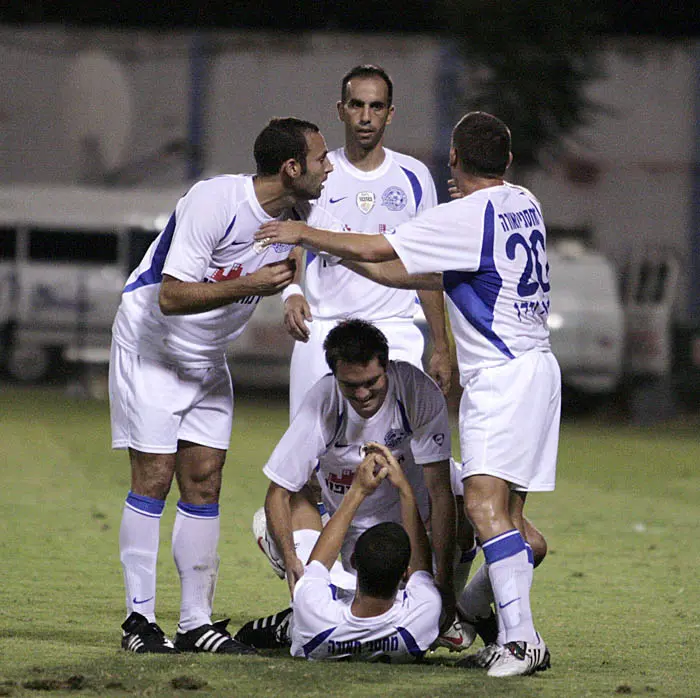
(211,638)
(487,628)
(269,633)
(141,636)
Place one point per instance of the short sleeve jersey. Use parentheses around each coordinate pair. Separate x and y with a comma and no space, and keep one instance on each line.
(324,627)
(327,431)
(209,238)
(367,202)
(491,248)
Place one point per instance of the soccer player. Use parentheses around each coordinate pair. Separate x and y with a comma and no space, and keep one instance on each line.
(377,622)
(488,251)
(170,390)
(367,398)
(371,189)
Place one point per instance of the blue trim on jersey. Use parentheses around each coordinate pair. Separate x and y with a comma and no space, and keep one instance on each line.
(530,554)
(229,229)
(199,511)
(154,273)
(338,424)
(404,417)
(310,256)
(503,546)
(415,185)
(475,292)
(314,642)
(410,642)
(144,504)
(334,591)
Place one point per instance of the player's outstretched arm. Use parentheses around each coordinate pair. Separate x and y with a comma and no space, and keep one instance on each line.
(368,477)
(365,248)
(421,555)
(393,274)
(440,363)
(186,298)
(443,530)
(278,512)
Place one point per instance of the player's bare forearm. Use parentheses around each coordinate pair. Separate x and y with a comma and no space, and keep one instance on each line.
(394,274)
(278,513)
(368,477)
(367,248)
(440,363)
(442,520)
(421,558)
(178,297)
(328,545)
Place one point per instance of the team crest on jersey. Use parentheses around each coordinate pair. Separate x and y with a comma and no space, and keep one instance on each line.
(259,246)
(394,198)
(394,437)
(365,201)
(439,439)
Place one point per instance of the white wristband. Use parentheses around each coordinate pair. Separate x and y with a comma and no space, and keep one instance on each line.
(291,290)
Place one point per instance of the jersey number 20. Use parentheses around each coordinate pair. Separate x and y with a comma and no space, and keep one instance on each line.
(526,287)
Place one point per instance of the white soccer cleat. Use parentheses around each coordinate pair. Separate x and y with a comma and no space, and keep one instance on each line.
(521,659)
(457,638)
(266,544)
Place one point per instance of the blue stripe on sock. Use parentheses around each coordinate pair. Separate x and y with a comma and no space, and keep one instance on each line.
(200,511)
(506,545)
(144,504)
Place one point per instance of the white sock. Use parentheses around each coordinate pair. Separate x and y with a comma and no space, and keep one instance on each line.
(510,573)
(476,598)
(195,542)
(139,536)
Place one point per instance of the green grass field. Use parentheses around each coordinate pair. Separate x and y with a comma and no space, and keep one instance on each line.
(617,600)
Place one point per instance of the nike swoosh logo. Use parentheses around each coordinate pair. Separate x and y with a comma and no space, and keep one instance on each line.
(339,445)
(140,602)
(335,201)
(503,605)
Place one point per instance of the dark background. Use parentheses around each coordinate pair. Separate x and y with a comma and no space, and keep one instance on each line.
(670,18)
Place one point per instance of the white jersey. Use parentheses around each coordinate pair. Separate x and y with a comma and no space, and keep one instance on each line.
(491,248)
(367,202)
(412,422)
(323,626)
(209,238)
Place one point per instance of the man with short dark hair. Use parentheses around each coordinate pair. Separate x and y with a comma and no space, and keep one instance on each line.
(376,622)
(366,398)
(372,189)
(487,250)
(171,397)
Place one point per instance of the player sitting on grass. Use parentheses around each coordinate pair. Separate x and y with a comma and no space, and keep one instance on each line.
(377,622)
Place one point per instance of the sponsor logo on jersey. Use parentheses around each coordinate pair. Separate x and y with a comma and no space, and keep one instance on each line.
(394,437)
(336,200)
(226,273)
(340,483)
(394,198)
(365,201)
(439,439)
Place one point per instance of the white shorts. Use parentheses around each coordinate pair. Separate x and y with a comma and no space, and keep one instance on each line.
(308,362)
(154,405)
(509,422)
